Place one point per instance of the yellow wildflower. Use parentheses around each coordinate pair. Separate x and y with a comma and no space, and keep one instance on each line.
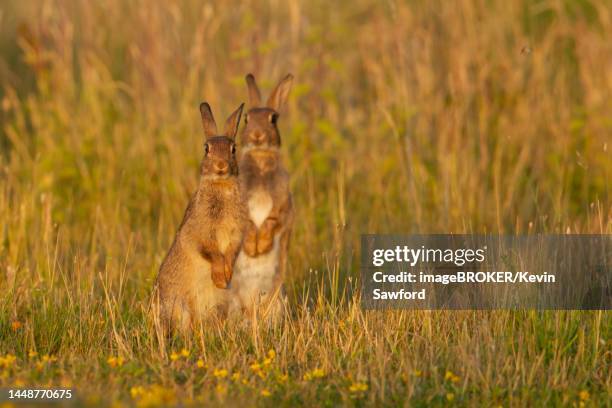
(32,354)
(267,361)
(115,361)
(19,383)
(450,376)
(222,373)
(48,359)
(584,395)
(283,378)
(271,354)
(200,363)
(154,396)
(255,367)
(174,356)
(358,387)
(265,393)
(221,389)
(136,392)
(185,352)
(418,373)
(235,376)
(316,373)
(450,396)
(7,361)
(16,325)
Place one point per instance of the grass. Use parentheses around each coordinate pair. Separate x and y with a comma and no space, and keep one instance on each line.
(405,117)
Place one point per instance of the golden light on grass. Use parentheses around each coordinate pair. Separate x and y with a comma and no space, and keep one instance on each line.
(414,117)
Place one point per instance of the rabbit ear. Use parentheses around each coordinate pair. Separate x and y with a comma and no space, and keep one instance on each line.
(208,121)
(254,95)
(233,122)
(278,98)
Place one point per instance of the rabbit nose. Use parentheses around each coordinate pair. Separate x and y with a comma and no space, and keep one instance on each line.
(221,167)
(258,137)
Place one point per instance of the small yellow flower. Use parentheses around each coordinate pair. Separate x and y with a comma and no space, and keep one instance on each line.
(450,396)
(115,361)
(7,361)
(235,376)
(316,373)
(174,356)
(265,393)
(283,378)
(255,367)
(221,389)
(584,395)
(16,325)
(450,376)
(222,373)
(136,392)
(358,387)
(271,354)
(185,353)
(418,373)
(19,383)
(200,363)
(267,361)
(32,354)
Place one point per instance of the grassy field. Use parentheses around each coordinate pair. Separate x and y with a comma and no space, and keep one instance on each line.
(466,116)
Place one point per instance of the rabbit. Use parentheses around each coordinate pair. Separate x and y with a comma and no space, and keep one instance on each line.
(195,276)
(261,264)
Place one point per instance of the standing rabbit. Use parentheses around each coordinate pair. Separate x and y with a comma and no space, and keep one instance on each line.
(260,267)
(194,277)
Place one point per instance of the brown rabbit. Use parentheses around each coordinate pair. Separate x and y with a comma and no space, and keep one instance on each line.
(260,268)
(194,277)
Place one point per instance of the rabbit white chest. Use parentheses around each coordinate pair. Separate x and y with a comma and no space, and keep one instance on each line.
(254,277)
(260,203)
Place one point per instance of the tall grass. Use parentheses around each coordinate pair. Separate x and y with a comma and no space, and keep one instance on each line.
(470,116)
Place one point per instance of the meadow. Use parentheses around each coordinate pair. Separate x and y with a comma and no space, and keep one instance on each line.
(469,116)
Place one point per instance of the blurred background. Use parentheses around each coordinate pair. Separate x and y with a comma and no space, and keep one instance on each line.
(480,116)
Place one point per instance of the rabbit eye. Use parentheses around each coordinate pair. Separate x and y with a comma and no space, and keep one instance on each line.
(233,149)
(273,118)
(206,148)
